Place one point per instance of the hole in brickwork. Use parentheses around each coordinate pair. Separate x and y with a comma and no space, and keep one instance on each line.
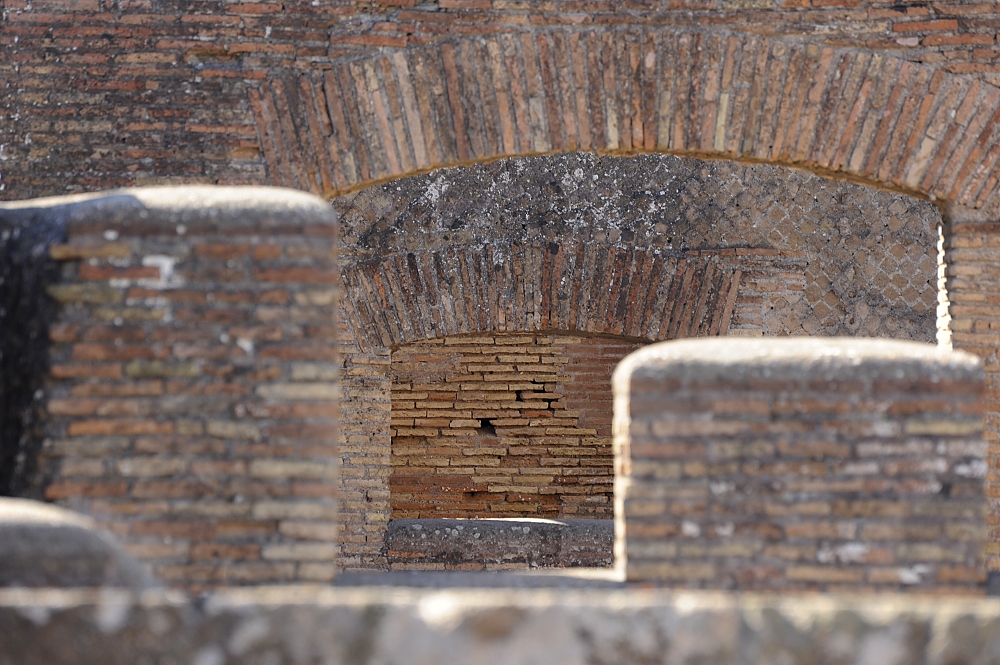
(504,425)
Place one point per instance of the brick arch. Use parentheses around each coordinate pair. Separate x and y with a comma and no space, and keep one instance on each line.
(526,287)
(847,113)
(402,298)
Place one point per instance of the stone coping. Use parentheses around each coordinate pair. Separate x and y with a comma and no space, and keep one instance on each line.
(194,205)
(727,359)
(538,578)
(871,606)
(25,511)
(556,542)
(381,625)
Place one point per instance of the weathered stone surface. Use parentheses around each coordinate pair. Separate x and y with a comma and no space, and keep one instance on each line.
(157,209)
(45,546)
(295,626)
(492,544)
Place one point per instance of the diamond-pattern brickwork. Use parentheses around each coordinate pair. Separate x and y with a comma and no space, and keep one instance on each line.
(869,256)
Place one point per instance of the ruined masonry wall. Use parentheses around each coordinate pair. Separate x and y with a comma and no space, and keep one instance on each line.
(179,414)
(163,421)
(649,247)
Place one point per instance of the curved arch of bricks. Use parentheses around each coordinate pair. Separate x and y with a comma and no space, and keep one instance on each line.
(408,297)
(856,114)
(568,286)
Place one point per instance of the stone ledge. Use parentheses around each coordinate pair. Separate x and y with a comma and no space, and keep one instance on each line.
(397,625)
(507,543)
(219,207)
(725,361)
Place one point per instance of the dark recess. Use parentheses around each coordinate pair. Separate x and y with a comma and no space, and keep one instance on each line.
(25,315)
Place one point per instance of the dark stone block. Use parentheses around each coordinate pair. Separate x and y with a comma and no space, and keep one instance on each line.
(536,543)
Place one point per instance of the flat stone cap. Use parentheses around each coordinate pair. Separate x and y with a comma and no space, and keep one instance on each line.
(45,546)
(732,360)
(190,205)
(540,542)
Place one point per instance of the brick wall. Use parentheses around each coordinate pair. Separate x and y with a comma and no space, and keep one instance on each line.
(193,395)
(805,464)
(338,95)
(193,384)
(591,361)
(655,247)
(503,425)
(972,251)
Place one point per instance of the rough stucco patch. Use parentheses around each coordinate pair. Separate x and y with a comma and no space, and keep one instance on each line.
(870,254)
